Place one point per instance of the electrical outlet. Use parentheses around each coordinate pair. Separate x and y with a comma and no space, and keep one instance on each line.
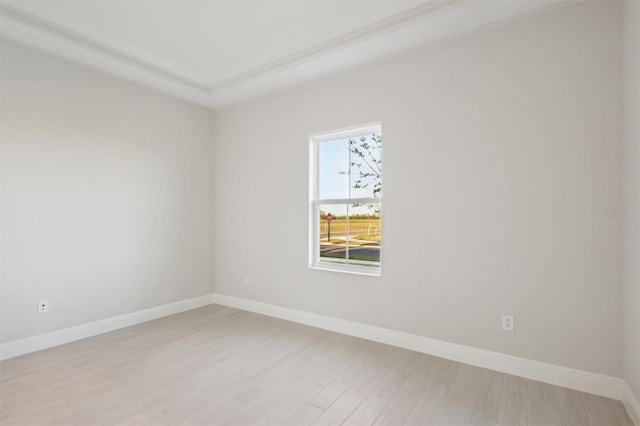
(245,281)
(507,323)
(43,307)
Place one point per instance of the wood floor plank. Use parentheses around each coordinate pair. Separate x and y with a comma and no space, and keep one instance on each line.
(514,406)
(572,409)
(306,414)
(622,414)
(379,395)
(399,408)
(284,381)
(337,412)
(290,408)
(440,381)
(475,421)
(339,385)
(333,360)
(59,416)
(489,397)
(469,380)
(456,410)
(543,412)
(214,412)
(543,391)
(600,410)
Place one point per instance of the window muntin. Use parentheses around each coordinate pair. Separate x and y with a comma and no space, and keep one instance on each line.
(346,182)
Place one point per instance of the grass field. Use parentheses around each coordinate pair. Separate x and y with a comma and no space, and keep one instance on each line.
(364,240)
(360,229)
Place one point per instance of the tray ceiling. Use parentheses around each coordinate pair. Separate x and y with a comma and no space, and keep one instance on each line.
(217,52)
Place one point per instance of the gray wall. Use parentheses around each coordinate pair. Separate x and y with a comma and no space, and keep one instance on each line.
(632,196)
(502,158)
(106,195)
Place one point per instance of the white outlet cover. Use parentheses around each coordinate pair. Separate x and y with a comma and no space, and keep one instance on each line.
(43,306)
(507,323)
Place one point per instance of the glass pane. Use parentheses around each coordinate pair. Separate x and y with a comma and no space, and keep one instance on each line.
(333,170)
(366,166)
(333,233)
(364,234)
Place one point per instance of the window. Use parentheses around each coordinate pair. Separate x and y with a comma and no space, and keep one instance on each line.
(346,200)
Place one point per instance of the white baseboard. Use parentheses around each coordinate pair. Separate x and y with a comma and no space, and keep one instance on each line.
(611,387)
(59,337)
(631,403)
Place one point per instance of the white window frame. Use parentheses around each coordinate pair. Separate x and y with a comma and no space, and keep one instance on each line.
(315,203)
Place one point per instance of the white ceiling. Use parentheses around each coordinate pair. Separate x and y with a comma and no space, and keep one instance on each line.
(216,52)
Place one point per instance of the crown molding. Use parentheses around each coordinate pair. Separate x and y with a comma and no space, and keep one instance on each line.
(54,30)
(408,30)
(385,25)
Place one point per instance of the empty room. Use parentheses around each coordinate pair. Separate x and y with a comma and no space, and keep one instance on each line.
(320,212)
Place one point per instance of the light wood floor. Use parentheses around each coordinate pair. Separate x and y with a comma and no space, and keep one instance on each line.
(217,365)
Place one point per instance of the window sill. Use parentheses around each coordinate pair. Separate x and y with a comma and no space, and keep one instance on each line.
(348,269)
